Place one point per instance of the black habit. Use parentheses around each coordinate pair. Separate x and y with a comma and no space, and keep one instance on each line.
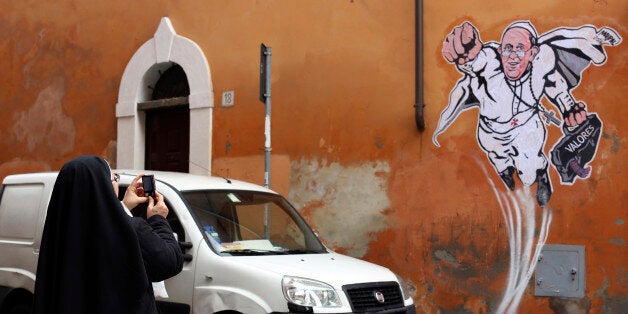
(94,258)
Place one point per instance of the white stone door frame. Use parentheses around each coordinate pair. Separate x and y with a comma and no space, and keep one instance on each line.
(142,71)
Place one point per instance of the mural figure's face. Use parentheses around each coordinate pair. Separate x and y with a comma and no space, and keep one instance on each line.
(516,52)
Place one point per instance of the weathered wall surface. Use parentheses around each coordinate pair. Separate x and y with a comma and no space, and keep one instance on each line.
(349,154)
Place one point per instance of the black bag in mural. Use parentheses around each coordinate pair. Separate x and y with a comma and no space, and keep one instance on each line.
(577,148)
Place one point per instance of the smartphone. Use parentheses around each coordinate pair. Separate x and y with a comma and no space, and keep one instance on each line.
(148,182)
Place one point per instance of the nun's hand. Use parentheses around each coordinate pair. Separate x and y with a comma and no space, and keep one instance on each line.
(132,196)
(156,206)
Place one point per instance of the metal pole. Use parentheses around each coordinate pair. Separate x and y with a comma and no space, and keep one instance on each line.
(267,147)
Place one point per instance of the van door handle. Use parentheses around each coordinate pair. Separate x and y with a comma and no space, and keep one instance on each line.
(187,257)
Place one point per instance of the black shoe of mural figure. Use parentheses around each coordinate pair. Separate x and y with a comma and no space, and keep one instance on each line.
(543,187)
(508,178)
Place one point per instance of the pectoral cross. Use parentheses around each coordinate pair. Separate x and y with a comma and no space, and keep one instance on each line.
(550,118)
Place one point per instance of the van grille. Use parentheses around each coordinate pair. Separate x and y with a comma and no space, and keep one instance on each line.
(364,297)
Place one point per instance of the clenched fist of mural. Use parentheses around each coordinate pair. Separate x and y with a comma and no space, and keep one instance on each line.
(507,80)
(462,45)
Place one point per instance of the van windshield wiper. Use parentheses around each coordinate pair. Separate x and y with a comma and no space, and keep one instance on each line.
(253,252)
(270,252)
(302,251)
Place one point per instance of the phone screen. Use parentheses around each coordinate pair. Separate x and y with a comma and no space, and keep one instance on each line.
(148,181)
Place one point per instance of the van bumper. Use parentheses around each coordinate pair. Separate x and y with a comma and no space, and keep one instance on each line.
(410,309)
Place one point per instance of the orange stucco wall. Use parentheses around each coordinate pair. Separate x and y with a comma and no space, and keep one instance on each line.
(344,140)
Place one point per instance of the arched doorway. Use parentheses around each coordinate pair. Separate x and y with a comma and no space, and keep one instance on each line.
(168,122)
(136,101)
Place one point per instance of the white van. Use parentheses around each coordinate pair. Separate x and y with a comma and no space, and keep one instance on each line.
(247,251)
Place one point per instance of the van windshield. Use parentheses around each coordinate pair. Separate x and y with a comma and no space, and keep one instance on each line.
(251,223)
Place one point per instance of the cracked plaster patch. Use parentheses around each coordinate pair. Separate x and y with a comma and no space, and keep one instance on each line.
(348,203)
(45,127)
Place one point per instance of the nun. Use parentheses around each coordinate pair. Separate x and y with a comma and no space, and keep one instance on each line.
(94,257)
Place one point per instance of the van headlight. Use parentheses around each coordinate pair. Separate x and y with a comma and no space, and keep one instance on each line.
(308,292)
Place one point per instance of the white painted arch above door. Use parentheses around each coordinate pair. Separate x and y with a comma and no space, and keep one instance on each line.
(142,71)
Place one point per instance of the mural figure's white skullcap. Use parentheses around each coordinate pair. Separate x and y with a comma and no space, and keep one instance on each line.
(525,25)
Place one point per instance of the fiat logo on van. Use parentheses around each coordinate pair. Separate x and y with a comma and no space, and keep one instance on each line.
(379,296)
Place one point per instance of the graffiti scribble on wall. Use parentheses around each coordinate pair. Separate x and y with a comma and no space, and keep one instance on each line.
(519,212)
(507,81)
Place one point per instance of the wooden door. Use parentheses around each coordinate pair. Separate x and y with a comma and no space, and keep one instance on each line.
(168,139)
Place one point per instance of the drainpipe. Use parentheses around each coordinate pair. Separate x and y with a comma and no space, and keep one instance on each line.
(418,103)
